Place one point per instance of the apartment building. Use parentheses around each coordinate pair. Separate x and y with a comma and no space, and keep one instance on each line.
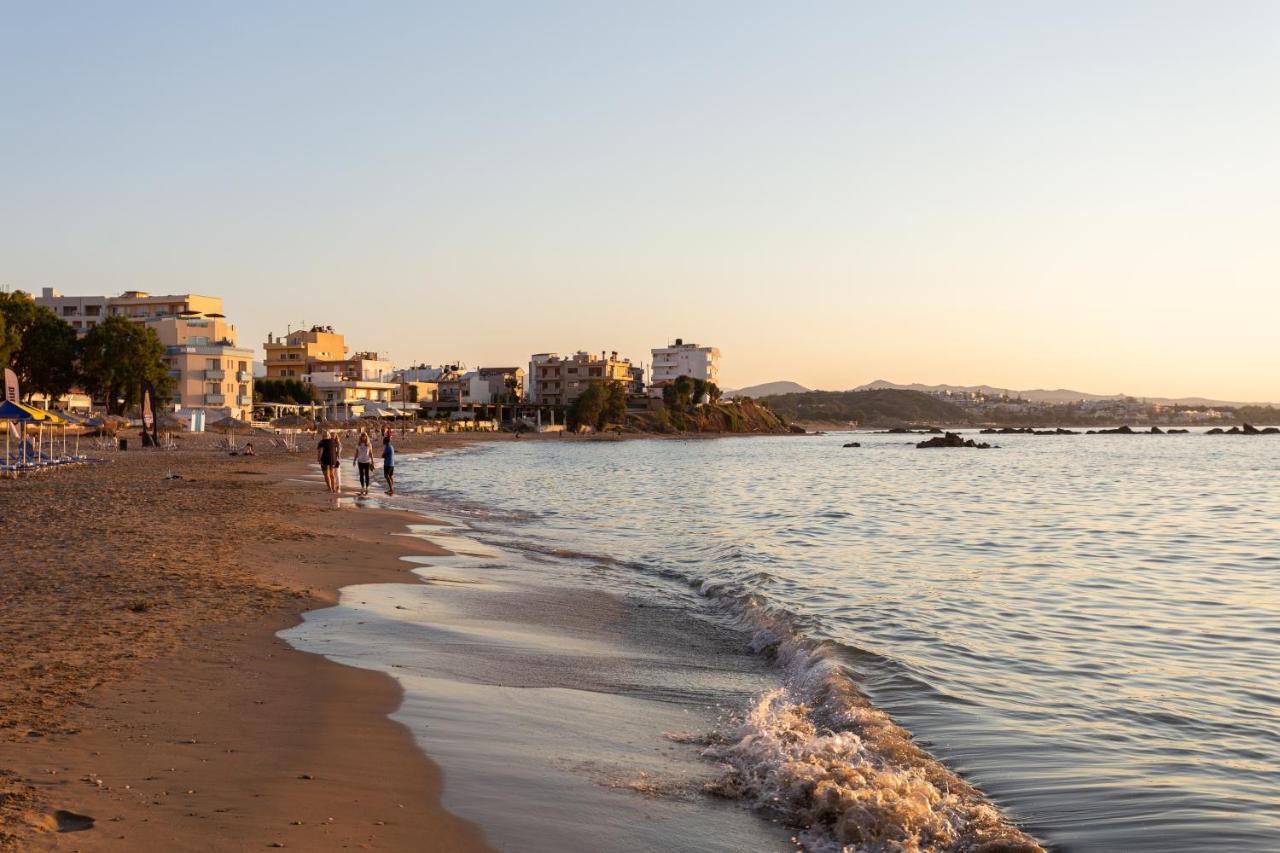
(290,355)
(209,370)
(681,359)
(501,385)
(83,313)
(351,387)
(557,381)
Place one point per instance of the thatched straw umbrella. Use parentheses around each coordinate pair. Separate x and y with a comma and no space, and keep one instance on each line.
(229,426)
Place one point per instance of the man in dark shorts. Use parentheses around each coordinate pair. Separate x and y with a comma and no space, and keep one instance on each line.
(327,456)
(389,463)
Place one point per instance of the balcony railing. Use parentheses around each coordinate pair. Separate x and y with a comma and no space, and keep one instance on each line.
(215,399)
(215,374)
(243,375)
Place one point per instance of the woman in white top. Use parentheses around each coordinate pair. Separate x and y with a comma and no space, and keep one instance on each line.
(364,461)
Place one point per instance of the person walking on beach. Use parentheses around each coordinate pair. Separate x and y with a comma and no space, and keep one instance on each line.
(389,464)
(327,456)
(337,460)
(364,461)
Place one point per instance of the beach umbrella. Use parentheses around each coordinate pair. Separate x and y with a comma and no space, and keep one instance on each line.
(12,412)
(227,426)
(76,421)
(52,419)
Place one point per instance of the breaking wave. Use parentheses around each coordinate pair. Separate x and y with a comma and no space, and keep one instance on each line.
(817,755)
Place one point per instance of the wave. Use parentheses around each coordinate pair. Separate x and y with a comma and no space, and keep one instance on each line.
(817,755)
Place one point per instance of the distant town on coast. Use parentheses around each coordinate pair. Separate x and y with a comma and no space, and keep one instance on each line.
(69,359)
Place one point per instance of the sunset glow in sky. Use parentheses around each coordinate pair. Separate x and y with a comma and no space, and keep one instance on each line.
(1081,195)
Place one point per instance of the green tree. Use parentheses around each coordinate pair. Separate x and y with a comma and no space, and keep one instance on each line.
(116,356)
(48,362)
(599,404)
(19,312)
(283,390)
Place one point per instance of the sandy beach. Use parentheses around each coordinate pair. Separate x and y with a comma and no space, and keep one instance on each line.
(149,703)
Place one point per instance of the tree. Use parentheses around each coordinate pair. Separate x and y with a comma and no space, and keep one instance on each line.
(116,356)
(283,391)
(20,313)
(48,362)
(600,403)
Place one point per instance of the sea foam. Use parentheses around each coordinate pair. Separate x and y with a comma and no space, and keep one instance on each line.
(817,755)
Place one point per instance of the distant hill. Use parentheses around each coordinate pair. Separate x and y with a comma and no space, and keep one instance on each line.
(1042,395)
(768,389)
(881,407)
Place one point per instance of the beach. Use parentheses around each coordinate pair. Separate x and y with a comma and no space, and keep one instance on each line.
(146,689)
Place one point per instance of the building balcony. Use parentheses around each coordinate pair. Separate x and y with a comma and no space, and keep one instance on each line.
(244,376)
(215,374)
(215,400)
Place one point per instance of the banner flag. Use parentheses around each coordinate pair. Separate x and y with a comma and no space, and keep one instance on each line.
(150,434)
(10,385)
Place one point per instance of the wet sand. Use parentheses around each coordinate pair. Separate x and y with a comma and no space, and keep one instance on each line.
(148,690)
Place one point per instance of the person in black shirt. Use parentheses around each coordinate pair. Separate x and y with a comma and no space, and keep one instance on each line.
(327,456)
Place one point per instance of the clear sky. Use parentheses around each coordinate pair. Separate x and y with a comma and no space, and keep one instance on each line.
(1036,194)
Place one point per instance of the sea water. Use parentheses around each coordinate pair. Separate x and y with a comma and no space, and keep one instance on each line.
(771,642)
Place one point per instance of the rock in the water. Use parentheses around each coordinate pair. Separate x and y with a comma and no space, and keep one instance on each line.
(951,439)
(1250,429)
(853,444)
(1214,431)
(1155,430)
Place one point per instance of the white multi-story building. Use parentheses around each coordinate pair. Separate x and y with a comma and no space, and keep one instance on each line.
(350,387)
(681,359)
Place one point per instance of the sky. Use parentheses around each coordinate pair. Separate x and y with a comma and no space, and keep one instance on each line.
(1029,195)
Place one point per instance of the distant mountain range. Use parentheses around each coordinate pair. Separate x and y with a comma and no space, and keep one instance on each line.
(1060,395)
(1038,395)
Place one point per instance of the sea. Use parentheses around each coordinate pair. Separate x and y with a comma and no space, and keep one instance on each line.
(783,643)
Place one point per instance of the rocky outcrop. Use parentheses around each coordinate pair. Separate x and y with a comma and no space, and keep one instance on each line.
(1244,429)
(852,444)
(951,439)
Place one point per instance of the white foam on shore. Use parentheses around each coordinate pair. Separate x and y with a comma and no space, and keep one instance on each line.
(816,754)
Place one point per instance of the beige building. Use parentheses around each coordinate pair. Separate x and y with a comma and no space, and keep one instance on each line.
(83,313)
(352,387)
(557,381)
(209,371)
(291,356)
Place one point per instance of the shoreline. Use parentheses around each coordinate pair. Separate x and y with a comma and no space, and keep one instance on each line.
(209,731)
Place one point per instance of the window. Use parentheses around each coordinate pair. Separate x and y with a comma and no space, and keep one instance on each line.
(93,310)
(68,310)
(75,324)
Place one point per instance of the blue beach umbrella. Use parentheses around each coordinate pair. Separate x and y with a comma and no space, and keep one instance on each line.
(16,412)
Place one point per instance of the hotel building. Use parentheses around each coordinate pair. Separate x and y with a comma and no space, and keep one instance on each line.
(83,313)
(210,372)
(681,359)
(290,356)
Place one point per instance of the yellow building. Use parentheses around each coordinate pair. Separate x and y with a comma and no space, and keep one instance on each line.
(289,356)
(209,371)
(83,313)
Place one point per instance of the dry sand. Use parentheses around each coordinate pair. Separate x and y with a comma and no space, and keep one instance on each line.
(145,687)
